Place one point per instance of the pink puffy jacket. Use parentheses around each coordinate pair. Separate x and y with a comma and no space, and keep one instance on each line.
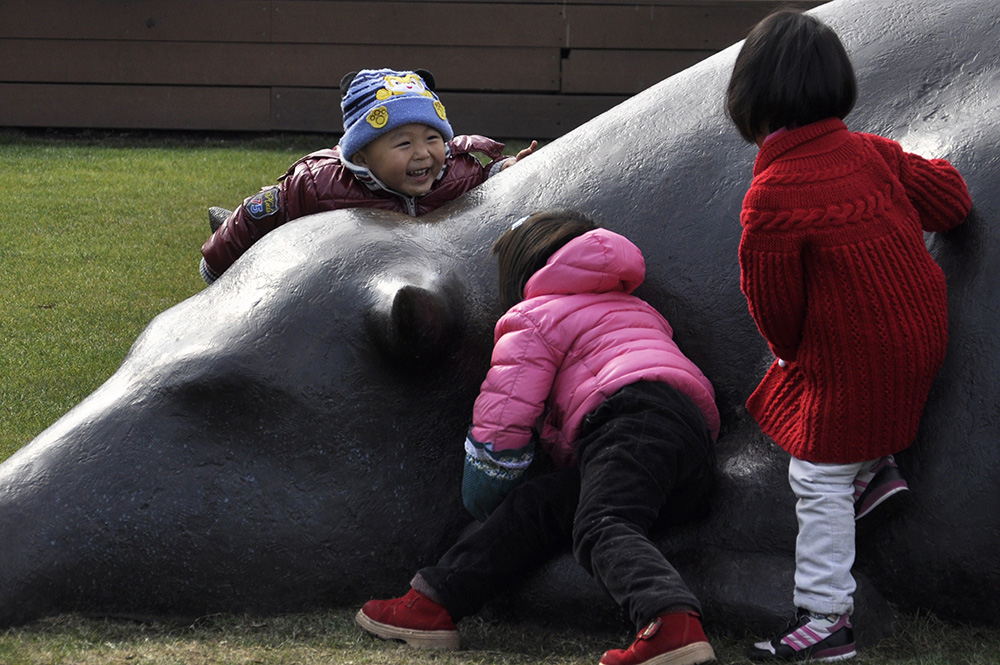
(576,338)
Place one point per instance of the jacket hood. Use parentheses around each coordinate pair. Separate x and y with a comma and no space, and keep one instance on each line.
(596,262)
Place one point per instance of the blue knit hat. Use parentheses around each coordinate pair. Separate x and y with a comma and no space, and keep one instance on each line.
(376,101)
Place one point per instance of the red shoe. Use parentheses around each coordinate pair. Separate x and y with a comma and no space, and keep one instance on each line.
(669,639)
(414,618)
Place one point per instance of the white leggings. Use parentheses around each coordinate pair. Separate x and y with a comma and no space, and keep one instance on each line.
(824,549)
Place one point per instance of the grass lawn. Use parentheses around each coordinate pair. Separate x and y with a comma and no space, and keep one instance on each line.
(100,234)
(330,638)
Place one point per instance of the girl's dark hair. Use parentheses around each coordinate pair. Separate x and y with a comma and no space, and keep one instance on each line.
(525,248)
(791,71)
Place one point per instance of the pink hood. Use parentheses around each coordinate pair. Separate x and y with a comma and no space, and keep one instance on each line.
(576,339)
(597,262)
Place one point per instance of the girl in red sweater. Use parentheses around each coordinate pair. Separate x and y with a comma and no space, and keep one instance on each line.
(840,283)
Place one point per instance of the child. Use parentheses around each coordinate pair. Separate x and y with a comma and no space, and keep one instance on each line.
(398,152)
(627,420)
(840,283)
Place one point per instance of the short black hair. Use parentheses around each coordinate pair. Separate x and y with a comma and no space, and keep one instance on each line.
(792,70)
(525,248)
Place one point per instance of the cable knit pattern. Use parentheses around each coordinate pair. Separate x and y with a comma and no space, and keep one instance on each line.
(840,283)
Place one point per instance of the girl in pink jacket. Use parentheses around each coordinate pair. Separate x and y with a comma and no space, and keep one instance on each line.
(591,375)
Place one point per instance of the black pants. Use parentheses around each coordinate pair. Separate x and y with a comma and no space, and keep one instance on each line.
(646,458)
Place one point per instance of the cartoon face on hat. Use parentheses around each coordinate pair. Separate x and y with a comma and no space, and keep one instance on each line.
(403,85)
(376,101)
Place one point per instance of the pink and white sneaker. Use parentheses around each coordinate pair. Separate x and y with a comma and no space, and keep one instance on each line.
(883,486)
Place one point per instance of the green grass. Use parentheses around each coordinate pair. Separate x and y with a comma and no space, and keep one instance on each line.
(330,637)
(100,233)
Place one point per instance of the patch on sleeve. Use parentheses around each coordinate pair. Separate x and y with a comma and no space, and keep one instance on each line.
(264,203)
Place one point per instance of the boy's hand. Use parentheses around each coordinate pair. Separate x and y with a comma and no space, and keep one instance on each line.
(520,155)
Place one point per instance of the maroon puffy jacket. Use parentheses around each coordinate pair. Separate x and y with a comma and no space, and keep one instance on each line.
(322,181)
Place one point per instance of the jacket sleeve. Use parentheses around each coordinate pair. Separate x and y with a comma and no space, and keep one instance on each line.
(466,145)
(489,475)
(512,397)
(297,194)
(772,280)
(500,444)
(934,186)
(258,215)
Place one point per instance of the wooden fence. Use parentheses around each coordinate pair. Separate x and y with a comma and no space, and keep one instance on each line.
(524,69)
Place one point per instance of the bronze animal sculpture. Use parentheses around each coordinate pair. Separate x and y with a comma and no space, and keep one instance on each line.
(290,437)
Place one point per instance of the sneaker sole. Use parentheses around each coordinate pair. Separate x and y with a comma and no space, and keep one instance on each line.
(422,639)
(758,654)
(843,653)
(698,653)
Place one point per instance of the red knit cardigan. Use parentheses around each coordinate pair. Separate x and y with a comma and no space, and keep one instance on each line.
(838,278)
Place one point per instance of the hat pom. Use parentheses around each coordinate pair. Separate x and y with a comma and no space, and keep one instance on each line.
(345,83)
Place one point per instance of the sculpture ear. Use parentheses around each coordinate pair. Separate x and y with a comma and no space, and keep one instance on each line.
(415,325)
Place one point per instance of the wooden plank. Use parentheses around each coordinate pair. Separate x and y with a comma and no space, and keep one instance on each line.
(229,64)
(156,20)
(135,107)
(801,4)
(503,116)
(520,116)
(770,4)
(140,62)
(308,110)
(623,72)
(655,27)
(510,116)
(523,22)
(454,68)
(767,5)
(263,65)
(417,23)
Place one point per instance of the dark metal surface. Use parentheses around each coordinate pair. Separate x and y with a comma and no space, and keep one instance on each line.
(291,436)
